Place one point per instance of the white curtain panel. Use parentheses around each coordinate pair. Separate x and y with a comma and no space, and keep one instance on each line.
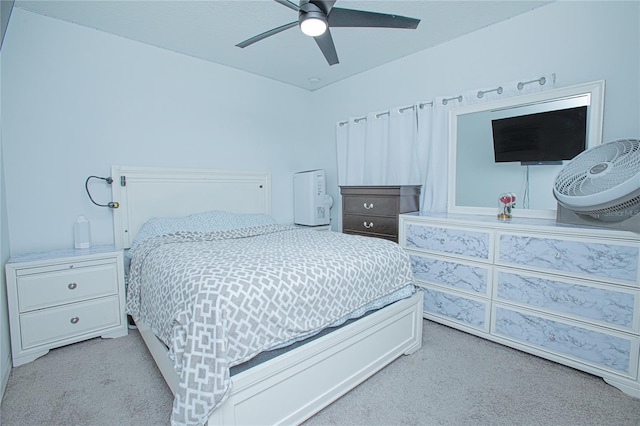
(375,155)
(380,149)
(409,145)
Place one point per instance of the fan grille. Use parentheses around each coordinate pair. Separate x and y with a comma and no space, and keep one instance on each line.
(626,206)
(600,169)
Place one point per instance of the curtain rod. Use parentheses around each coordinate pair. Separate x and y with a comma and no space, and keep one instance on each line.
(542,81)
(401,110)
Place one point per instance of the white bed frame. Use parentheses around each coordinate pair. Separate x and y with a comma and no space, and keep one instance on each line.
(292,387)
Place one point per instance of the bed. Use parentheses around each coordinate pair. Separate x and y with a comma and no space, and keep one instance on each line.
(310,366)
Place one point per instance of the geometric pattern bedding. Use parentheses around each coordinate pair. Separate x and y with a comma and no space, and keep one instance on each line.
(218,299)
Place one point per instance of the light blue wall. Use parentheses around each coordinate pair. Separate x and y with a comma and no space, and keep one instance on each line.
(78,101)
(5,346)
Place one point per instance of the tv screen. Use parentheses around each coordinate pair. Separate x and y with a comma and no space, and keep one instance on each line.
(541,138)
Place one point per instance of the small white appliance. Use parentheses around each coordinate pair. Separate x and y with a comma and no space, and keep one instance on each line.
(311,202)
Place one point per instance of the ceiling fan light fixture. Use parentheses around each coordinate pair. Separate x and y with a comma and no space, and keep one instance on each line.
(313,24)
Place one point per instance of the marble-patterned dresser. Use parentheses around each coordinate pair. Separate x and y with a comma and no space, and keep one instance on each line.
(567,293)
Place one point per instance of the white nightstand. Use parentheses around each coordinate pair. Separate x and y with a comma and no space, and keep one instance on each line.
(62,297)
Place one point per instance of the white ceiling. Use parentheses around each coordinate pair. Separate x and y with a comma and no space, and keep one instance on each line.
(210,30)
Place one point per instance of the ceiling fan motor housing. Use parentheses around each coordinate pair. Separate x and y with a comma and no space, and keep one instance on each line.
(602,182)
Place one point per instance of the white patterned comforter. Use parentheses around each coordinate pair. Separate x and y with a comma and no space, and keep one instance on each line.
(218,299)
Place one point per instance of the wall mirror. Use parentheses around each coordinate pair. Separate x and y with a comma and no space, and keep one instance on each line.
(475,178)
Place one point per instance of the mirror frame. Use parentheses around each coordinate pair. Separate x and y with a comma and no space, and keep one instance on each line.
(594,136)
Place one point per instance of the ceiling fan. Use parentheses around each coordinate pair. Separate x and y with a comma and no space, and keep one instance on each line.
(315,17)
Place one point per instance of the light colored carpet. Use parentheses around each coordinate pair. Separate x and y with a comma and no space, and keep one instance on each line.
(455,379)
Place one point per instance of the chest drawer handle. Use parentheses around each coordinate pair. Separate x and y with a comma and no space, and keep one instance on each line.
(74,320)
(369,207)
(72,286)
(558,255)
(552,337)
(370,225)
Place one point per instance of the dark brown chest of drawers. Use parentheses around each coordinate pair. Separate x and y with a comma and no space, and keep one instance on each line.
(373,210)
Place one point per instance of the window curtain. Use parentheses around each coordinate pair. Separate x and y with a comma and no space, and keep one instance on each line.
(381,148)
(409,145)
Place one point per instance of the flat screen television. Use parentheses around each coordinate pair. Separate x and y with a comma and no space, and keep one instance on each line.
(542,138)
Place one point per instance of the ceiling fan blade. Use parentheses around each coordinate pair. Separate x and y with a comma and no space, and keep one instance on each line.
(359,18)
(325,43)
(289,4)
(267,34)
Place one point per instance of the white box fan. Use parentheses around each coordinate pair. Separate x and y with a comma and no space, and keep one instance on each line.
(601,186)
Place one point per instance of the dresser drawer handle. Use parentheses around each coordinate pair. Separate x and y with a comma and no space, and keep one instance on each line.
(552,337)
(439,304)
(369,207)
(558,255)
(74,320)
(370,225)
(72,286)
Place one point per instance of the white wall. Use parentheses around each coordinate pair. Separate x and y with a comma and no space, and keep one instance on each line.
(78,101)
(580,41)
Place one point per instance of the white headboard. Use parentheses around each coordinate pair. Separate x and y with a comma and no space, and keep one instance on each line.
(145,192)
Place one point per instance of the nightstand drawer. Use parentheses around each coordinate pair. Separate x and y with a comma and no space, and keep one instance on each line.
(42,290)
(370,205)
(54,324)
(371,225)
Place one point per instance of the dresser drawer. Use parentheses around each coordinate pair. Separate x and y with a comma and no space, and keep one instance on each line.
(461,276)
(458,241)
(616,352)
(453,306)
(582,258)
(370,205)
(69,321)
(45,289)
(603,304)
(371,225)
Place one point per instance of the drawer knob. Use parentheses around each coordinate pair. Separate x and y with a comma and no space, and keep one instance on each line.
(72,286)
(558,255)
(370,225)
(552,337)
(439,304)
(554,297)
(74,320)
(369,207)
